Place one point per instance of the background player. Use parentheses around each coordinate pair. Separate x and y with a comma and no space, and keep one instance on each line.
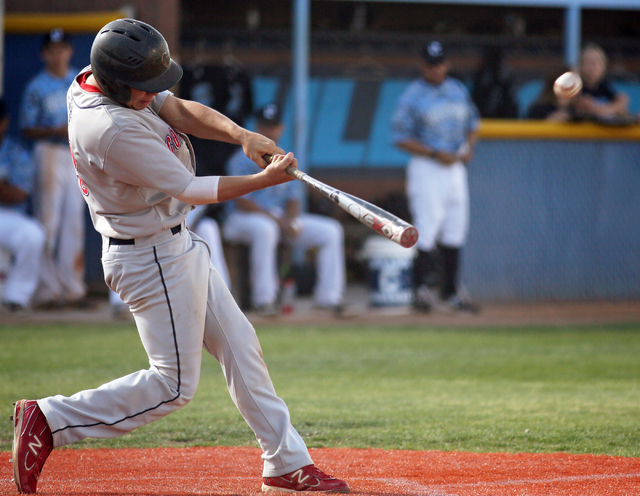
(207,228)
(259,219)
(20,234)
(436,122)
(136,170)
(58,203)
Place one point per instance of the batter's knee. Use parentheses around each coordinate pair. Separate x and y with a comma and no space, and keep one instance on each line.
(189,385)
(181,382)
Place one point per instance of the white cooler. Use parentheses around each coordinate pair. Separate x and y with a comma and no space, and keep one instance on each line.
(390,268)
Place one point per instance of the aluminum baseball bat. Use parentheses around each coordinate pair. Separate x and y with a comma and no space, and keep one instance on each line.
(376,218)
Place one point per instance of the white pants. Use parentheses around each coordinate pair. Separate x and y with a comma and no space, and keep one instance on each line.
(180,304)
(61,210)
(209,231)
(438,197)
(24,238)
(262,234)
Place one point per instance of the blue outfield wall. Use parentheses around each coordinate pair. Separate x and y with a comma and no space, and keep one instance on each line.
(554,220)
(551,219)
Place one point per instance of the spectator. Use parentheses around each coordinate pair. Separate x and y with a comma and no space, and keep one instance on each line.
(548,106)
(20,234)
(58,202)
(598,99)
(437,123)
(260,219)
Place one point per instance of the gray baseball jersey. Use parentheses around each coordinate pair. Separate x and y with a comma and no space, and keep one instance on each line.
(127,202)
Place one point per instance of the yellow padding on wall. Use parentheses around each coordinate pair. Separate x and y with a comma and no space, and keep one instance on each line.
(82,22)
(541,130)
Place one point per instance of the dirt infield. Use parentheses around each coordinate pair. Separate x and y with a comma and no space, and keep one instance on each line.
(236,471)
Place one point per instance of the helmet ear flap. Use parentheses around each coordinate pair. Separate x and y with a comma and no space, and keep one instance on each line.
(117,91)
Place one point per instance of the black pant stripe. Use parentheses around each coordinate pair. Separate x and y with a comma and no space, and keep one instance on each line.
(175,343)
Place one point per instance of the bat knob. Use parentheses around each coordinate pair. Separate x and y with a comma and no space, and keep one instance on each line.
(267,158)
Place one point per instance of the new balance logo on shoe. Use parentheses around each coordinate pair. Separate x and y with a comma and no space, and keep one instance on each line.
(32,443)
(302,478)
(34,448)
(305,479)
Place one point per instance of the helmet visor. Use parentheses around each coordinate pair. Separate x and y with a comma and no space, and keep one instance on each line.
(164,81)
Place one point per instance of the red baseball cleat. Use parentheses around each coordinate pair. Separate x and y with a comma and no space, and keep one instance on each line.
(32,443)
(303,480)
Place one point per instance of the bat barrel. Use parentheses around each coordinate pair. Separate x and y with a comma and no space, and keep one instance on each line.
(372,216)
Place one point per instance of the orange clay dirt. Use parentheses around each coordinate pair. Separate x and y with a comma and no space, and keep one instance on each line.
(237,471)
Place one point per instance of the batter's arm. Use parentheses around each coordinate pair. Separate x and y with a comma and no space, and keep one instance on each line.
(204,122)
(212,189)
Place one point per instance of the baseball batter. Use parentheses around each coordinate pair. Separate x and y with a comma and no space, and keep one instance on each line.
(437,123)
(135,168)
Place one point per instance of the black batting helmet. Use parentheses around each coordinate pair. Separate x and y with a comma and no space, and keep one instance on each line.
(128,53)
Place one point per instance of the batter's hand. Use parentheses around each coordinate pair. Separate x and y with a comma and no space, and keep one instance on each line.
(275,171)
(256,145)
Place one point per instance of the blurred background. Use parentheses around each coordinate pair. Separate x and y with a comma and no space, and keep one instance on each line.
(555,210)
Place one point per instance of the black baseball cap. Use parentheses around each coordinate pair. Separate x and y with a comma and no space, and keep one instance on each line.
(269,115)
(433,53)
(56,35)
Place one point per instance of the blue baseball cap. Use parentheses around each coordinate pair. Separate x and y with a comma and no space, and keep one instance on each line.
(56,35)
(433,53)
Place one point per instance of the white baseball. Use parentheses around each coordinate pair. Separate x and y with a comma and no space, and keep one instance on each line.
(568,85)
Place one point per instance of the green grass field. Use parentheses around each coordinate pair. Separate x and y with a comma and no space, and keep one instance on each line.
(549,389)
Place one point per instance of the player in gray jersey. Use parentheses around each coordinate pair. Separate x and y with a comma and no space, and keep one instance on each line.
(135,167)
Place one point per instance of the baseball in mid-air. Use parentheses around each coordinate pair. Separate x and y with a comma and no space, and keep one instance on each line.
(568,85)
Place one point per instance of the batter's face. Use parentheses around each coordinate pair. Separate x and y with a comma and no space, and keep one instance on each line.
(435,73)
(140,100)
